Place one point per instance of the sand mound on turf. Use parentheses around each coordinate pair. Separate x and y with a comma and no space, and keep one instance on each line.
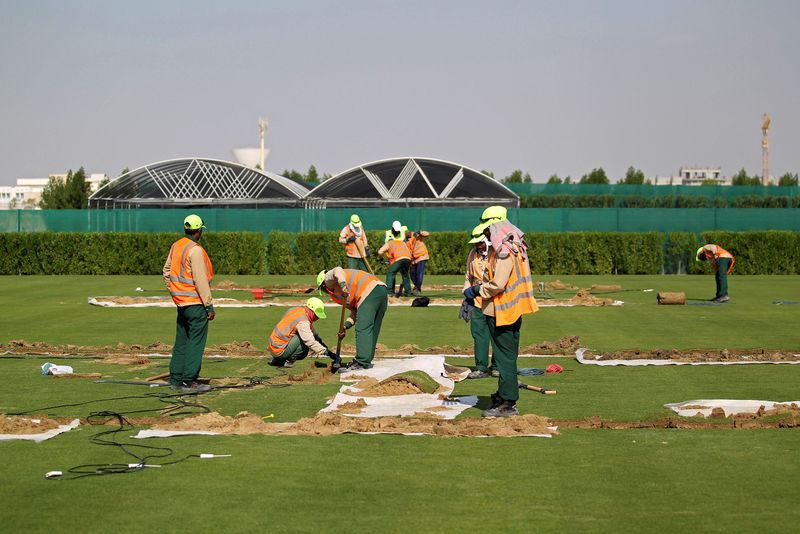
(26,424)
(696,355)
(325,424)
(126,359)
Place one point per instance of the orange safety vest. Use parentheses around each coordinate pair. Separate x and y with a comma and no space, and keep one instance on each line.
(285,329)
(517,298)
(418,248)
(475,268)
(350,248)
(397,250)
(721,253)
(356,281)
(181,288)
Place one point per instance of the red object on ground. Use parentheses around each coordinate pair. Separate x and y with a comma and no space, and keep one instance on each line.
(554,368)
(257,293)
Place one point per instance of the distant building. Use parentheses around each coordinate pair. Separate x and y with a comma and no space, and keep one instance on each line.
(692,176)
(28,191)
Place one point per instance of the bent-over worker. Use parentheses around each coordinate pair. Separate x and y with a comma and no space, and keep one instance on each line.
(723,261)
(187,275)
(294,336)
(399,257)
(365,296)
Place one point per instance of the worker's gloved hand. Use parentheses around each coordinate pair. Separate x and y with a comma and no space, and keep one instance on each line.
(471,302)
(472,292)
(467,310)
(330,354)
(368,253)
(351,239)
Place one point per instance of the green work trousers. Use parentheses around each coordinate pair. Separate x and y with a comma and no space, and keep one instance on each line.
(723,264)
(190,342)
(480,335)
(400,266)
(357,263)
(506,350)
(369,318)
(295,349)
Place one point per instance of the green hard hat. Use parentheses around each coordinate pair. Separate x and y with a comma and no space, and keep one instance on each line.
(697,254)
(193,222)
(317,306)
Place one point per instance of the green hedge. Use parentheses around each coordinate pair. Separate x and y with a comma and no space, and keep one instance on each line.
(122,253)
(756,252)
(542,200)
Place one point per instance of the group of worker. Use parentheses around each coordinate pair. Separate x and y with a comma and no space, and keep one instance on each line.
(498,290)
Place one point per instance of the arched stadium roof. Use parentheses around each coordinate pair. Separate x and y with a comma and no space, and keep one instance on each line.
(198,182)
(412,182)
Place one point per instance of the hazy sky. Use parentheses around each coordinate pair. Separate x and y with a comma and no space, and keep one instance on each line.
(546,87)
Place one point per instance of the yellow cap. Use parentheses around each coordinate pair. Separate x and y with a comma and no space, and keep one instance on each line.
(494,214)
(477,232)
(193,222)
(355,220)
(317,306)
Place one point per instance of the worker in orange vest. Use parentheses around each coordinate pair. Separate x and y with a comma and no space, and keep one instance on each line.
(723,261)
(419,257)
(471,308)
(187,275)
(366,298)
(294,336)
(399,258)
(506,294)
(354,238)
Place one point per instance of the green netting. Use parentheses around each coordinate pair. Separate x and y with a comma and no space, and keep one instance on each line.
(431,219)
(622,190)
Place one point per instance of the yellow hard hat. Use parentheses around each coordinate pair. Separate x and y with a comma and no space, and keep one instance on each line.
(317,306)
(193,222)
(320,278)
(355,220)
(697,254)
(477,232)
(494,213)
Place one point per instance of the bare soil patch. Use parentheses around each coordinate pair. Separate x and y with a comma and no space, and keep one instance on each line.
(697,355)
(26,424)
(739,421)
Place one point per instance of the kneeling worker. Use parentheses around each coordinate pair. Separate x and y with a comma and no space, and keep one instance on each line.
(365,296)
(294,336)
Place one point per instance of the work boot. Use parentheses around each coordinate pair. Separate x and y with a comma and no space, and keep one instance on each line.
(191,387)
(723,298)
(477,373)
(288,363)
(506,409)
(354,366)
(277,362)
(495,373)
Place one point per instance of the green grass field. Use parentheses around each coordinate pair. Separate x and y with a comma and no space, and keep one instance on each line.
(581,480)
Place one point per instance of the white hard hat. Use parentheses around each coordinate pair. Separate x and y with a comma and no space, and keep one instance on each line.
(396,226)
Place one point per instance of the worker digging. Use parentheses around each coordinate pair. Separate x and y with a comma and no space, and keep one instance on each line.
(366,298)
(293,338)
(354,238)
(419,257)
(399,259)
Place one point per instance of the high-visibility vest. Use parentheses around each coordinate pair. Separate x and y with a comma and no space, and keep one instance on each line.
(721,253)
(398,250)
(475,268)
(418,248)
(286,328)
(356,282)
(182,288)
(517,298)
(350,248)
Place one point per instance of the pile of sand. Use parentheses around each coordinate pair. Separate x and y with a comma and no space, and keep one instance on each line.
(325,424)
(126,359)
(26,424)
